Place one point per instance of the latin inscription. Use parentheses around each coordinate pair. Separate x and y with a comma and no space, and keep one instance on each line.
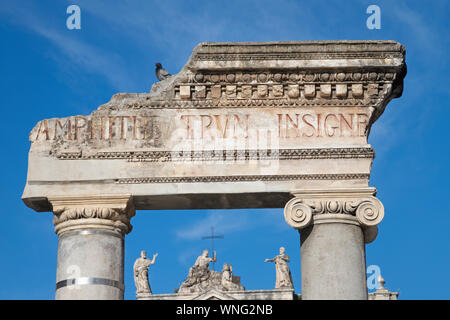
(295,125)
(242,126)
(97,128)
(287,125)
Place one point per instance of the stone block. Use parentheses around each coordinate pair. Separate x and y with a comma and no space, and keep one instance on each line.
(246,92)
(185,92)
(357,90)
(372,89)
(200,91)
(231,91)
(325,90)
(262,91)
(277,90)
(341,90)
(310,90)
(293,91)
(216,92)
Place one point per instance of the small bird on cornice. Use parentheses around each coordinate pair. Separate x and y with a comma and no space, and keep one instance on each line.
(161,73)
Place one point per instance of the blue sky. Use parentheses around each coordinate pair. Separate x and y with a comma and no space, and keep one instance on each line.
(50,71)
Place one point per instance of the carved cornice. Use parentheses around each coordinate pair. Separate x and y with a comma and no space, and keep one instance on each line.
(371,89)
(222,155)
(245,178)
(286,77)
(292,56)
(209,103)
(292,50)
(300,211)
(279,74)
(85,212)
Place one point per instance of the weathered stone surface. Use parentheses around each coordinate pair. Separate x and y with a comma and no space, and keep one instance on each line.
(91,245)
(213,294)
(333,259)
(241,125)
(283,277)
(140,270)
(201,279)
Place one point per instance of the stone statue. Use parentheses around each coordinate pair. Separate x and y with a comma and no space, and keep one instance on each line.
(227,274)
(283,273)
(201,278)
(199,272)
(228,283)
(140,268)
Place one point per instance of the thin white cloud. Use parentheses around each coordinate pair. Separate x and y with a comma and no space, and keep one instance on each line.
(188,255)
(226,223)
(173,28)
(222,223)
(86,56)
(424,36)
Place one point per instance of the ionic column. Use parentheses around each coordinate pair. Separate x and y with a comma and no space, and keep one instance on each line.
(91,234)
(334,226)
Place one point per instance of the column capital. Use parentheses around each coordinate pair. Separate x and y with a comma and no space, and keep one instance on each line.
(350,205)
(111,212)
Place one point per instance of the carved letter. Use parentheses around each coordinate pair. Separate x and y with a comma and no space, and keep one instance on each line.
(123,128)
(294,124)
(362,121)
(75,136)
(319,132)
(46,131)
(94,127)
(238,122)
(280,118)
(189,134)
(349,123)
(308,124)
(222,131)
(67,125)
(331,126)
(204,127)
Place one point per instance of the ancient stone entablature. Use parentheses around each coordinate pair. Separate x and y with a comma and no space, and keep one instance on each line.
(306,100)
(242,125)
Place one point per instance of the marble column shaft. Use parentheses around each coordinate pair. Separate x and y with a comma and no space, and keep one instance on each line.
(91,233)
(334,226)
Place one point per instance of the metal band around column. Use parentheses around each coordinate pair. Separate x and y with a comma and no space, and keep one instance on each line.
(89,232)
(90,281)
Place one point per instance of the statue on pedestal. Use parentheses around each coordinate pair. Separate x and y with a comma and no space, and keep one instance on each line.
(140,268)
(199,272)
(230,282)
(201,278)
(283,273)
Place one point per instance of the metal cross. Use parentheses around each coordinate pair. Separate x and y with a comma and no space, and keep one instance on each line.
(212,237)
